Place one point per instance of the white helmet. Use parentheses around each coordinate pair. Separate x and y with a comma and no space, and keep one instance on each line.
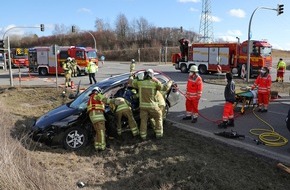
(133,61)
(150,73)
(193,68)
(69,59)
(97,89)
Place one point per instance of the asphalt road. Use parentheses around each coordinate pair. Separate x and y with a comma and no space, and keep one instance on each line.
(211,106)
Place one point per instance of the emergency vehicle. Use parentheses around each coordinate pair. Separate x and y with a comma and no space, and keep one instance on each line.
(19,57)
(43,60)
(222,57)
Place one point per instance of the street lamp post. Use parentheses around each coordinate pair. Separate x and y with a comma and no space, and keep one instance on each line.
(8,48)
(73,30)
(249,36)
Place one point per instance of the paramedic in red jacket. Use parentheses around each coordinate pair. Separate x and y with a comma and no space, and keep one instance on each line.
(263,82)
(193,94)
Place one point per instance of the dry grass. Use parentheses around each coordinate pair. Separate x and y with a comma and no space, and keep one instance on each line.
(181,160)
(18,168)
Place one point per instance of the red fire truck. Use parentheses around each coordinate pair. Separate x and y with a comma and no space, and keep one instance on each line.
(43,60)
(229,57)
(19,57)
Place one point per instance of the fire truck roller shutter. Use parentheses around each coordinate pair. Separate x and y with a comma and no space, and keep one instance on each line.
(232,59)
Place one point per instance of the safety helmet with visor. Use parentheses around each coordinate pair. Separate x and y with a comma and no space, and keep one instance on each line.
(150,73)
(97,90)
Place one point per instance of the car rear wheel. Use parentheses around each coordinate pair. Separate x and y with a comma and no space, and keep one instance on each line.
(75,138)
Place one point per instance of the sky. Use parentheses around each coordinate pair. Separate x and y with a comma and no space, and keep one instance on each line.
(230,18)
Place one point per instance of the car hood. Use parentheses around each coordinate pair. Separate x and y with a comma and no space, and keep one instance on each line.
(54,116)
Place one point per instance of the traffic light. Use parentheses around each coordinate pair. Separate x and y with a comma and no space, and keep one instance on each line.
(2,45)
(73,29)
(280,9)
(42,27)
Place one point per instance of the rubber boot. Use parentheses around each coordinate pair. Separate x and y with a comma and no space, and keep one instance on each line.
(224,124)
(231,123)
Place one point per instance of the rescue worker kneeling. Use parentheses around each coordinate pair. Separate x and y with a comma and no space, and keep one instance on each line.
(149,108)
(96,108)
(122,108)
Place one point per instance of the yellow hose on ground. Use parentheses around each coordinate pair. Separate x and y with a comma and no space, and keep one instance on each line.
(268,136)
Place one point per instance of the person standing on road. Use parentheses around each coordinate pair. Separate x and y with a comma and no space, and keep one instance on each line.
(74,68)
(263,82)
(92,69)
(132,66)
(95,108)
(147,89)
(67,71)
(230,97)
(193,93)
(103,60)
(281,67)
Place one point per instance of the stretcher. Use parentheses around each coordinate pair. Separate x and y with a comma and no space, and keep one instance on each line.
(246,98)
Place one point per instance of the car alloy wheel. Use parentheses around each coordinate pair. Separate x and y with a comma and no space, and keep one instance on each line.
(75,138)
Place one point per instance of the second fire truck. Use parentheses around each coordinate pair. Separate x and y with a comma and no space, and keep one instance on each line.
(43,59)
(226,57)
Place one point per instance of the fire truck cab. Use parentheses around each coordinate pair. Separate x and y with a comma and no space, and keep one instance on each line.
(19,57)
(224,57)
(44,61)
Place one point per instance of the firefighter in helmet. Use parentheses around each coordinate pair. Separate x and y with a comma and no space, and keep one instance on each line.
(147,89)
(95,108)
(123,109)
(67,71)
(193,93)
(132,66)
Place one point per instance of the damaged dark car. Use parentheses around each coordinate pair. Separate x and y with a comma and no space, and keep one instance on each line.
(69,125)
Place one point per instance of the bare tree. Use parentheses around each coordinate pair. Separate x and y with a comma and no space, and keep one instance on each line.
(122,29)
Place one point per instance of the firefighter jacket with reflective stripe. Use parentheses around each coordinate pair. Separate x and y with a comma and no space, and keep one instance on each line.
(95,102)
(92,67)
(96,107)
(66,67)
(194,87)
(263,83)
(230,93)
(120,103)
(147,91)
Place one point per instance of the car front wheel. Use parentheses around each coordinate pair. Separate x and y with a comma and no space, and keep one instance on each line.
(75,138)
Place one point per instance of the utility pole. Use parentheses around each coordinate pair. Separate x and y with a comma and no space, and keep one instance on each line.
(280,10)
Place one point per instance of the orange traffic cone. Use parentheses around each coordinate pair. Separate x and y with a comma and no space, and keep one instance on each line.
(72,84)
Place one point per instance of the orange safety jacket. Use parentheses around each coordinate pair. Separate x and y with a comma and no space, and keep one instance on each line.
(263,83)
(95,104)
(194,87)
